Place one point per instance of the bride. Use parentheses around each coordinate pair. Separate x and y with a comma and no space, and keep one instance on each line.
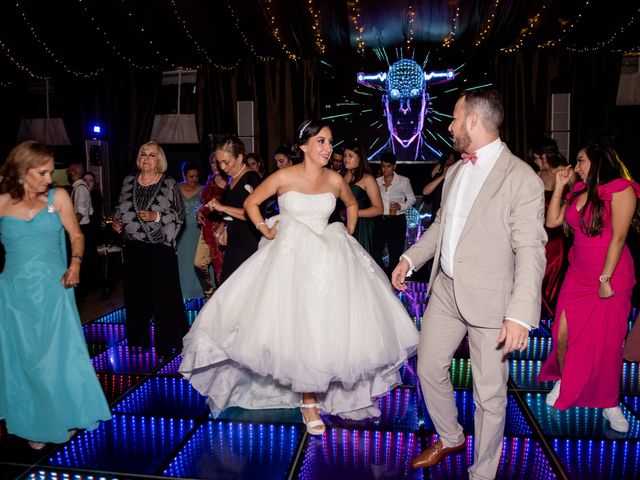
(322,329)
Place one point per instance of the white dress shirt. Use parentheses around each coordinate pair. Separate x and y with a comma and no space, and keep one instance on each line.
(82,201)
(463,194)
(399,191)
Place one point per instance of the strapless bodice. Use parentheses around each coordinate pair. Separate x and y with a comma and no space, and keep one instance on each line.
(311,209)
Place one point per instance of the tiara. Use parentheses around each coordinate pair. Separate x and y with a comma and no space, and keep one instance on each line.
(302,129)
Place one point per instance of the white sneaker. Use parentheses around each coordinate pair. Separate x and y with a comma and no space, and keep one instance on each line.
(616,419)
(553,395)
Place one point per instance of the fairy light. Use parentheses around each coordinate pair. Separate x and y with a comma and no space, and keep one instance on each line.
(315,26)
(196,45)
(245,39)
(110,44)
(50,52)
(610,40)
(567,28)
(7,84)
(148,40)
(449,39)
(527,30)
(411,16)
(355,18)
(8,55)
(275,30)
(484,33)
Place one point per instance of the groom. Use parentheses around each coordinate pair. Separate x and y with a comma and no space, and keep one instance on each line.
(487,242)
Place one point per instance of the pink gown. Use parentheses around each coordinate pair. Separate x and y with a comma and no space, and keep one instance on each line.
(596,327)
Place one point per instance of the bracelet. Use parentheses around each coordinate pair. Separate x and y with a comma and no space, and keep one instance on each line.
(79,257)
(259,223)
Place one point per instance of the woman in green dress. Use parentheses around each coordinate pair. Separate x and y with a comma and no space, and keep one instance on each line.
(187,241)
(358,175)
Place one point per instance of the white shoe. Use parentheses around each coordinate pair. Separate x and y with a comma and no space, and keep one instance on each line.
(616,419)
(553,395)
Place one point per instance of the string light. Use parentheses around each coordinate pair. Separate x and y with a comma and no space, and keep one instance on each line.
(245,39)
(411,15)
(355,18)
(110,44)
(315,26)
(527,30)
(610,40)
(196,45)
(52,55)
(7,53)
(149,41)
(484,33)
(448,40)
(275,30)
(7,84)
(567,27)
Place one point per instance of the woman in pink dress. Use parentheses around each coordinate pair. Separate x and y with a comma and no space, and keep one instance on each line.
(595,298)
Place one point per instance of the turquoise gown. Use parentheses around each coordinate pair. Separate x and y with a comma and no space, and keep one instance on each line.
(186,246)
(47,383)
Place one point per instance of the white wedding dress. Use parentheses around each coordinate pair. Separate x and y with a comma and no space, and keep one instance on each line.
(310,311)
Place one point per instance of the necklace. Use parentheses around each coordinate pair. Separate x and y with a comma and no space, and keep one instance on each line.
(244,165)
(155,179)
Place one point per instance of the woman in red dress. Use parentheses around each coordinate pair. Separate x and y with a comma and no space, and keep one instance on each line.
(595,298)
(547,158)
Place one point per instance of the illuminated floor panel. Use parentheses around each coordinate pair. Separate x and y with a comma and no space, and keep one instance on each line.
(360,454)
(221,449)
(104,333)
(162,428)
(115,384)
(125,444)
(522,458)
(398,412)
(606,459)
(516,423)
(578,422)
(123,359)
(164,397)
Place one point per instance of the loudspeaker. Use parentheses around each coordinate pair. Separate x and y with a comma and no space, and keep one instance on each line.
(245,118)
(245,125)
(561,121)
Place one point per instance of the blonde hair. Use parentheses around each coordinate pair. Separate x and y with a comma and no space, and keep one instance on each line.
(162,158)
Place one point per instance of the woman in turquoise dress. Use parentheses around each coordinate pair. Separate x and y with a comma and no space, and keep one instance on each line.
(189,235)
(48,387)
(358,175)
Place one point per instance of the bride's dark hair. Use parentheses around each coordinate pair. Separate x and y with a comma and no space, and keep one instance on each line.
(306,130)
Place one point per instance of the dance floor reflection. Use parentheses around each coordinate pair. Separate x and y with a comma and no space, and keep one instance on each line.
(162,428)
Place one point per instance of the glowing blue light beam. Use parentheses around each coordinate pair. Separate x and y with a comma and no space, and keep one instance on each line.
(444,140)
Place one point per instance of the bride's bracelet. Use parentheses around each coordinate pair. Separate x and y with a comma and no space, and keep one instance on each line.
(260,223)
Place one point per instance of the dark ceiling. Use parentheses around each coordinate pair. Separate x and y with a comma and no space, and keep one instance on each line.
(45,38)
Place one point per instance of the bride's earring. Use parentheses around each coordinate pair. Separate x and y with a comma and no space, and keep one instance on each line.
(21,180)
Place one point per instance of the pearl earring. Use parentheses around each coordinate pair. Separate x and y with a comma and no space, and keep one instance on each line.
(21,180)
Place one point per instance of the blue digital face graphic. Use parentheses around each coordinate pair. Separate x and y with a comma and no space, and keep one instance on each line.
(405,101)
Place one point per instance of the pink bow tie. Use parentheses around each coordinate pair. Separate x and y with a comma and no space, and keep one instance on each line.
(469,157)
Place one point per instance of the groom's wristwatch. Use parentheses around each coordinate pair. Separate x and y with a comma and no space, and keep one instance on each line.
(603,278)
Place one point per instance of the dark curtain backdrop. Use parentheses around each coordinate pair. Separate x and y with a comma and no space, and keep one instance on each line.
(528,78)
(127,105)
(284,94)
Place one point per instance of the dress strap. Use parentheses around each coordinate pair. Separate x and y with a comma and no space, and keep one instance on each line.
(52,193)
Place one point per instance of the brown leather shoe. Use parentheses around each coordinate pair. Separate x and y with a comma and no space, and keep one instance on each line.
(436,452)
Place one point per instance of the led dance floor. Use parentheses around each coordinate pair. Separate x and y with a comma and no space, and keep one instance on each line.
(162,428)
